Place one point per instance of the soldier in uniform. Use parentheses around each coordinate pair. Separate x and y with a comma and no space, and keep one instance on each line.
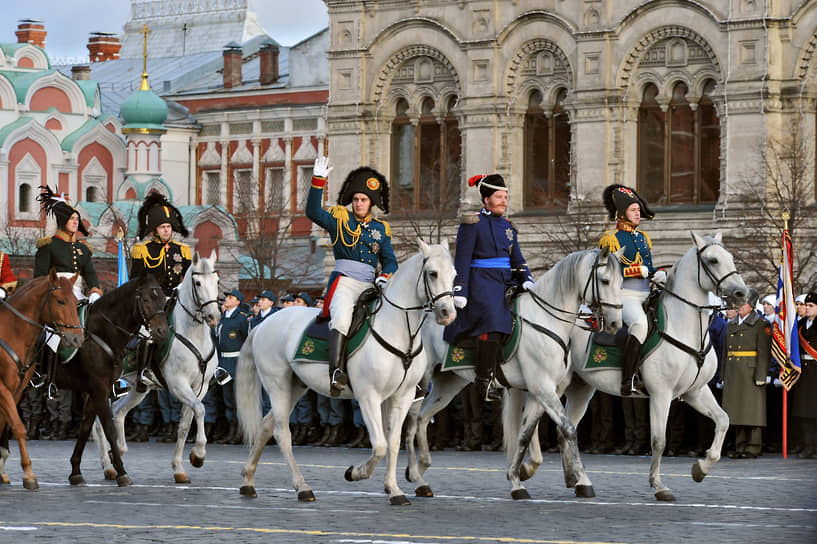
(8,281)
(627,209)
(488,261)
(359,243)
(266,307)
(159,255)
(233,329)
(748,354)
(804,408)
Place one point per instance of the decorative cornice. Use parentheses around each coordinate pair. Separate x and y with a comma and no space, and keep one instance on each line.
(403,55)
(528,48)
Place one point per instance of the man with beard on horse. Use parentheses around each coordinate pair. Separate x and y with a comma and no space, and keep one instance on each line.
(164,258)
(359,243)
(488,262)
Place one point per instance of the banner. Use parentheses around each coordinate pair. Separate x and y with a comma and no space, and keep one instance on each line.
(123,265)
(785,338)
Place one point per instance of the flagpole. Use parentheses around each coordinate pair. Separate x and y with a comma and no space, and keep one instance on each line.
(786,217)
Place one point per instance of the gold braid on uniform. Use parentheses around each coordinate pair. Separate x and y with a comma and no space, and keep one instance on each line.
(140,251)
(342,215)
(385,225)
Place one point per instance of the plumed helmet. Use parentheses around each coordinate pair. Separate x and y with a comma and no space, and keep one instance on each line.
(618,197)
(156,210)
(368,181)
(487,184)
(58,205)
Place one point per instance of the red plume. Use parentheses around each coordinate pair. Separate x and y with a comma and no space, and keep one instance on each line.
(473,180)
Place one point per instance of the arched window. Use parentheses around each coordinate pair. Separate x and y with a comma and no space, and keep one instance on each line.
(24,198)
(546,155)
(678,148)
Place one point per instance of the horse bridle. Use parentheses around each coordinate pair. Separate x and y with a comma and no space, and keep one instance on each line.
(144,332)
(198,316)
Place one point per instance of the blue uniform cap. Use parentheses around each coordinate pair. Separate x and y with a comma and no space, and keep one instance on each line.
(236,293)
(266,293)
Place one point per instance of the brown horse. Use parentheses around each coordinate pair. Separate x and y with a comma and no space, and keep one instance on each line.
(47,301)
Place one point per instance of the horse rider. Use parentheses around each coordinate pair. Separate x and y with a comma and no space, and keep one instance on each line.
(159,255)
(8,281)
(359,243)
(266,307)
(68,255)
(488,262)
(627,209)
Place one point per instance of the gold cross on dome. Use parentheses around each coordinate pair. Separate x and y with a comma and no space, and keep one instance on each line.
(145,86)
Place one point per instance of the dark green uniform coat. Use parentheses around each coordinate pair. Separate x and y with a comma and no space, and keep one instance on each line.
(747,357)
(66,254)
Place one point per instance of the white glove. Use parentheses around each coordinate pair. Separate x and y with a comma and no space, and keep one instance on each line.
(2,293)
(321,168)
(659,277)
(93,298)
(527,285)
(645,272)
(460,302)
(760,383)
(380,281)
(778,383)
(719,385)
(768,380)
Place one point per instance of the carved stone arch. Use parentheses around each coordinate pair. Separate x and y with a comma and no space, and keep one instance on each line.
(421,94)
(529,86)
(95,175)
(699,83)
(126,185)
(519,68)
(807,62)
(63,83)
(672,79)
(393,97)
(384,76)
(158,185)
(633,58)
(8,98)
(218,217)
(36,55)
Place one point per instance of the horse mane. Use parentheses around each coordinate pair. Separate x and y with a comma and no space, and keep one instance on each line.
(673,271)
(30,285)
(564,271)
(124,294)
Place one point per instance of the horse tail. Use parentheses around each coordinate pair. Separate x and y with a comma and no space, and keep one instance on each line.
(248,392)
(512,420)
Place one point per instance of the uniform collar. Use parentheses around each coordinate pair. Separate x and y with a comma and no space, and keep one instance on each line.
(158,240)
(365,220)
(65,235)
(626,226)
(489,213)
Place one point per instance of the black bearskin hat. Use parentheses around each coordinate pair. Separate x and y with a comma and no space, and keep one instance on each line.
(157,210)
(487,184)
(368,181)
(618,197)
(58,206)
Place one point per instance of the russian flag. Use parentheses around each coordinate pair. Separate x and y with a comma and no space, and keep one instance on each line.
(786,345)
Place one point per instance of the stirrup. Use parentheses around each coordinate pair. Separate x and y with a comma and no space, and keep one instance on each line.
(53,392)
(37,380)
(120,388)
(419,393)
(148,378)
(221,376)
(494,391)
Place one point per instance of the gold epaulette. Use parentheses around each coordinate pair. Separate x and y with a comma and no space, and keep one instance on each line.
(185,249)
(469,218)
(139,251)
(90,249)
(649,242)
(386,225)
(44,241)
(609,241)
(340,212)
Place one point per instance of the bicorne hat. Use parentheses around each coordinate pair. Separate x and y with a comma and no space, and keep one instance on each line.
(487,184)
(59,206)
(617,198)
(368,181)
(157,210)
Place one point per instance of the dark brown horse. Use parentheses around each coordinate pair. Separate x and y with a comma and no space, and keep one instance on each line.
(47,301)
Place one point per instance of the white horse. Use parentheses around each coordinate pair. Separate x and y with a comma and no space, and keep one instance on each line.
(682,363)
(548,313)
(187,370)
(383,372)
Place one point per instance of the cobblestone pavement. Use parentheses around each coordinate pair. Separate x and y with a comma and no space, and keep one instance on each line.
(764,500)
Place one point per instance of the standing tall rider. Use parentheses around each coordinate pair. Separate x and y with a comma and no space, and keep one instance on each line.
(359,243)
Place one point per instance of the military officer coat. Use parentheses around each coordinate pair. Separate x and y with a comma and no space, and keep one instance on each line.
(637,248)
(487,251)
(167,262)
(804,392)
(232,331)
(259,318)
(66,254)
(367,241)
(747,357)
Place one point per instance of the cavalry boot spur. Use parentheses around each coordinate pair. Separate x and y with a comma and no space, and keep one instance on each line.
(337,375)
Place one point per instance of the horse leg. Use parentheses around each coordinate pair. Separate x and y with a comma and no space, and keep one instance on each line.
(191,405)
(659,412)
(179,475)
(97,405)
(98,436)
(9,409)
(121,408)
(704,402)
(515,399)
(578,395)
(4,453)
(370,409)
(395,410)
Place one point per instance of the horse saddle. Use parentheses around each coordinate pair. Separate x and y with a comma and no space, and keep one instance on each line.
(130,358)
(463,354)
(313,347)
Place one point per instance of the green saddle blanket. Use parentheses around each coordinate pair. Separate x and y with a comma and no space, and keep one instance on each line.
(461,357)
(129,362)
(606,357)
(312,349)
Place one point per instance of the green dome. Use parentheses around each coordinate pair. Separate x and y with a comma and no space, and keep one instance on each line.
(144,110)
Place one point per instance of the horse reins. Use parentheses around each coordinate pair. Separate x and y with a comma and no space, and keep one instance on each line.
(198,315)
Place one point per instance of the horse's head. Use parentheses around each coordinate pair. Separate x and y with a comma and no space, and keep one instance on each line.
(716,269)
(438,281)
(150,307)
(604,282)
(59,309)
(201,283)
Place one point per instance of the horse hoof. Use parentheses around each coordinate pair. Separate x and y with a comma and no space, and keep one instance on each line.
(697,472)
(196,461)
(408,475)
(248,491)
(123,480)
(348,474)
(520,494)
(181,478)
(30,483)
(585,491)
(306,496)
(399,500)
(4,478)
(110,474)
(665,495)
(76,479)
(423,491)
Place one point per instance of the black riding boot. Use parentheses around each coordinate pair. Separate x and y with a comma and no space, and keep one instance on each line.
(48,366)
(337,363)
(144,356)
(487,353)
(629,364)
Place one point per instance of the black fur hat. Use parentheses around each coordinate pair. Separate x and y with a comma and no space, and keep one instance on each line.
(618,197)
(58,206)
(487,184)
(156,210)
(368,181)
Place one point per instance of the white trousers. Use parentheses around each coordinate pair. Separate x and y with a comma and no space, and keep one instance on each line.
(633,313)
(347,291)
(79,285)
